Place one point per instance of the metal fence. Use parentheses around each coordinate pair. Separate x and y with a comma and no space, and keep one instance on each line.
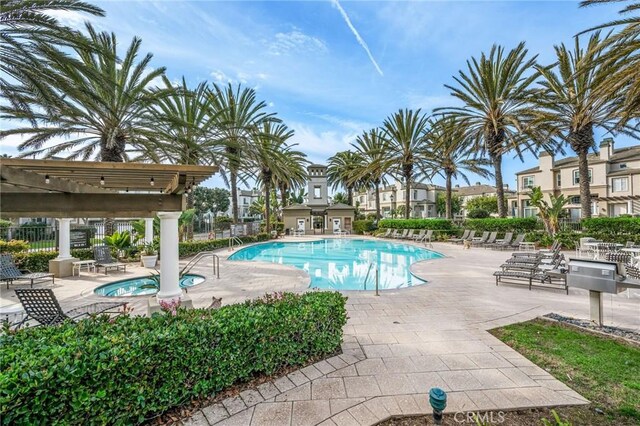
(570,225)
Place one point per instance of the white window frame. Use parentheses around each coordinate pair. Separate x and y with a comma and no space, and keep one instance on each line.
(576,176)
(624,180)
(526,179)
(317,192)
(558,180)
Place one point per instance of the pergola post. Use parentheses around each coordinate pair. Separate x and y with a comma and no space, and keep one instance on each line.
(169,266)
(64,238)
(148,230)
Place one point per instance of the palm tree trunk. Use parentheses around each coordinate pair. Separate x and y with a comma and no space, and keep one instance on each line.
(350,195)
(111,155)
(378,215)
(448,212)
(497,166)
(233,178)
(267,204)
(189,226)
(585,187)
(407,194)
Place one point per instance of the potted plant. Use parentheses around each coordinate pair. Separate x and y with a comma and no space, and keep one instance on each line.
(149,256)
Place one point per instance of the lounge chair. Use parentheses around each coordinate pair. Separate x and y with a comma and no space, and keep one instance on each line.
(465,234)
(387,234)
(514,244)
(469,237)
(41,305)
(481,240)
(409,235)
(395,234)
(503,242)
(427,238)
(490,240)
(419,235)
(104,260)
(9,272)
(584,249)
(529,274)
(403,235)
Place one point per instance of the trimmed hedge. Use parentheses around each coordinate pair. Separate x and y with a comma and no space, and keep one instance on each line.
(435,224)
(13,246)
(612,225)
(362,226)
(526,224)
(128,369)
(188,248)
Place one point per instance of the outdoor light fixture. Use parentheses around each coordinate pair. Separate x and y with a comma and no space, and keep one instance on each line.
(438,401)
(46,179)
(102,180)
(127,190)
(152,182)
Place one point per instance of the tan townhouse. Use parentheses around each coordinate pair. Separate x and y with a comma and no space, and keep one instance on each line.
(422,199)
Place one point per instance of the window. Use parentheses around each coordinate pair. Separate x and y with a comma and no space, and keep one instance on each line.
(558,180)
(316,192)
(527,210)
(620,184)
(527,182)
(576,176)
(574,200)
(622,166)
(415,194)
(245,201)
(384,197)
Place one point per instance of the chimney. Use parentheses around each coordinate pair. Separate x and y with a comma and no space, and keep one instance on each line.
(546,161)
(477,183)
(606,149)
(506,186)
(457,186)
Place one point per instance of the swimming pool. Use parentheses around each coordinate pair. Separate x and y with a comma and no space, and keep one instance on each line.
(343,264)
(141,286)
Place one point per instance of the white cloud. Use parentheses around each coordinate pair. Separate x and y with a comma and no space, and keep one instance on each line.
(220,77)
(353,125)
(295,41)
(320,145)
(429,102)
(73,19)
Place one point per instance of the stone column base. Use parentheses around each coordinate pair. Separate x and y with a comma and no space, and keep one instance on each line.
(61,268)
(153,306)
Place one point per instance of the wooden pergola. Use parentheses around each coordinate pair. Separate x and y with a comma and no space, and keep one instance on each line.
(73,189)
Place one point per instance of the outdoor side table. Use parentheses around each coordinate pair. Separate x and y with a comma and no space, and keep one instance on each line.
(527,246)
(90,264)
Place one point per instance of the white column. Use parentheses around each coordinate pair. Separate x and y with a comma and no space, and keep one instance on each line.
(169,267)
(148,230)
(64,238)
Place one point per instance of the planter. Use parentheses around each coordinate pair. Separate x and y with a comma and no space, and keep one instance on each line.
(149,261)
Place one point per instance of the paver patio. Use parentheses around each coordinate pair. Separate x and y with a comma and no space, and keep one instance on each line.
(400,344)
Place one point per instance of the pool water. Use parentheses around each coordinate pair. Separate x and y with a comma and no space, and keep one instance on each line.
(343,264)
(141,286)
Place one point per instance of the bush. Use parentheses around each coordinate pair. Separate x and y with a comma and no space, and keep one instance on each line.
(362,226)
(527,224)
(126,370)
(188,248)
(612,225)
(279,226)
(13,246)
(38,261)
(4,228)
(435,224)
(263,236)
(478,214)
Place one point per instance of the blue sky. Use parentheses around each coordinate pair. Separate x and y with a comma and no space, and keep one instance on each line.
(311,68)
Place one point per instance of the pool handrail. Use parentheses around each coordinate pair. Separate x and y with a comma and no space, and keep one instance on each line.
(198,257)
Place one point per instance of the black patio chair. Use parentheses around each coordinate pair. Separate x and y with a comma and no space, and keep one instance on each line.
(102,255)
(9,272)
(41,305)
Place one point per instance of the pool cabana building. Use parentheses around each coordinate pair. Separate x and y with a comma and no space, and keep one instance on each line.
(81,189)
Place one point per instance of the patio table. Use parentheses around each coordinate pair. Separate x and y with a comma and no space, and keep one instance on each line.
(594,245)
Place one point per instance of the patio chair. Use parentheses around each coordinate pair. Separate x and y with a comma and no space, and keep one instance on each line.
(41,305)
(409,235)
(583,249)
(104,260)
(395,234)
(469,237)
(529,274)
(419,235)
(514,244)
(9,272)
(403,235)
(490,240)
(503,242)
(426,238)
(481,240)
(387,234)
(602,249)
(619,257)
(465,234)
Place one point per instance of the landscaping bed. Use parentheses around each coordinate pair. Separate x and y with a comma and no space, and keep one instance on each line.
(127,370)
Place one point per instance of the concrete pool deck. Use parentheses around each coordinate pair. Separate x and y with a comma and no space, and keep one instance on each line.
(396,346)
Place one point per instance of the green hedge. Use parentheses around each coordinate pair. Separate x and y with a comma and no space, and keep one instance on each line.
(362,226)
(13,246)
(612,225)
(128,369)
(435,224)
(527,224)
(188,248)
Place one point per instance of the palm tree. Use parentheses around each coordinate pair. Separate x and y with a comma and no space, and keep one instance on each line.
(623,48)
(341,172)
(405,131)
(99,107)
(295,179)
(376,161)
(550,213)
(26,31)
(339,198)
(574,102)
(452,153)
(238,117)
(498,107)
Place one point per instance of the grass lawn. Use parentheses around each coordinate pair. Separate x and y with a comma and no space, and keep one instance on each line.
(603,370)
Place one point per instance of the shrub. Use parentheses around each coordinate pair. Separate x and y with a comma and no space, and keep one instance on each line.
(279,226)
(478,214)
(362,226)
(526,224)
(435,224)
(188,248)
(4,228)
(126,370)
(13,246)
(35,261)
(263,236)
(612,225)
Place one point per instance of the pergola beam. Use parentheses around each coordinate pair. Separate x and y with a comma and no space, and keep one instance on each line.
(177,184)
(65,205)
(27,179)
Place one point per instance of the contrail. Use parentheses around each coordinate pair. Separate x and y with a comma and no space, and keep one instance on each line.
(355,33)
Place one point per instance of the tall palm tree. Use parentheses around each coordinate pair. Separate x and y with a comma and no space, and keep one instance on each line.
(623,48)
(376,161)
(497,94)
(99,108)
(574,102)
(341,172)
(239,115)
(405,131)
(26,29)
(295,179)
(452,153)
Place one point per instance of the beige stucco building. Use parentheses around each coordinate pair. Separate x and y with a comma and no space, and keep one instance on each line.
(422,199)
(468,193)
(615,181)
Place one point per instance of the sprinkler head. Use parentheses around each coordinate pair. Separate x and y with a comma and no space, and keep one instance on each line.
(438,401)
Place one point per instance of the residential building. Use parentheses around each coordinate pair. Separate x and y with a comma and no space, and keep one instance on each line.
(422,201)
(245,199)
(614,175)
(468,193)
